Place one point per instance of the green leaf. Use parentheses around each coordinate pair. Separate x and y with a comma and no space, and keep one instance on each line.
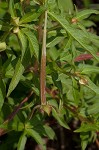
(76,93)
(34,46)
(49,131)
(55,41)
(19,69)
(66,5)
(22,142)
(59,119)
(8,67)
(93,107)
(36,136)
(30,84)
(23,41)
(92,86)
(87,127)
(16,124)
(28,17)
(31,16)
(2,46)
(28,26)
(53,53)
(84,139)
(56,80)
(85,14)
(80,36)
(2,93)
(11,8)
(87,69)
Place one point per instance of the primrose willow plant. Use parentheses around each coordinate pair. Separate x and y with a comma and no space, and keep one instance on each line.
(49,67)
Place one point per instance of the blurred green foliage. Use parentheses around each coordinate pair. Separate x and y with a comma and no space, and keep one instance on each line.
(72,80)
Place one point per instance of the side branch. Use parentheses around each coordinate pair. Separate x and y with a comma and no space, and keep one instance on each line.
(16,110)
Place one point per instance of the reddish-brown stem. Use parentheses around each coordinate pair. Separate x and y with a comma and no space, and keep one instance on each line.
(16,110)
(97,143)
(43,80)
(43,66)
(83,57)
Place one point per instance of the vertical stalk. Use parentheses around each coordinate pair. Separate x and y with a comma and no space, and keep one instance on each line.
(43,65)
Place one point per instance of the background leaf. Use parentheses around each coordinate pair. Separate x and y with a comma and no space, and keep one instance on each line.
(77,34)
(34,47)
(88,69)
(2,93)
(22,142)
(85,14)
(11,8)
(35,136)
(59,119)
(66,5)
(23,41)
(2,46)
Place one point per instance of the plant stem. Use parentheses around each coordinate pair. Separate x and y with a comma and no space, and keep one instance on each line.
(43,65)
(40,28)
(16,110)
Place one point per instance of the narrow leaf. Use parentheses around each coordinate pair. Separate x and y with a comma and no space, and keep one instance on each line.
(93,109)
(22,142)
(59,119)
(36,136)
(55,41)
(34,46)
(77,34)
(87,127)
(11,8)
(76,94)
(31,16)
(19,69)
(2,46)
(28,17)
(86,69)
(92,86)
(23,42)
(2,93)
(85,14)
(66,5)
(49,130)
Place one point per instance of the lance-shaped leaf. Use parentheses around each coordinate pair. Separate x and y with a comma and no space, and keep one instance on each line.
(93,109)
(87,127)
(34,46)
(87,69)
(22,142)
(85,14)
(92,86)
(36,136)
(76,93)
(89,84)
(23,41)
(11,8)
(66,5)
(55,41)
(19,69)
(2,93)
(2,46)
(31,16)
(49,130)
(60,120)
(28,17)
(80,36)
